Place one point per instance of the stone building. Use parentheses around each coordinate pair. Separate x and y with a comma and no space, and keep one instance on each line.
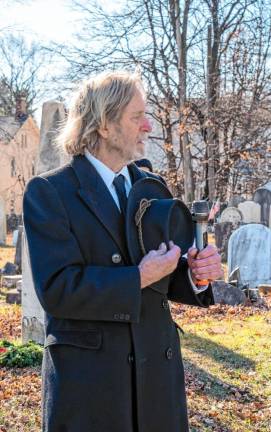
(19,143)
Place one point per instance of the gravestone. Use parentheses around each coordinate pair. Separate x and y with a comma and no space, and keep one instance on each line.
(53,114)
(263,197)
(15,237)
(233,215)
(18,253)
(223,232)
(235,200)
(3,222)
(225,293)
(251,212)
(249,249)
(50,157)
(32,312)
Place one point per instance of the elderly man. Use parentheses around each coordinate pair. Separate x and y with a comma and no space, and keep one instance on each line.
(112,360)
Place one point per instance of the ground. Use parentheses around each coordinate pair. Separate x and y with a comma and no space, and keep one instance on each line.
(227,357)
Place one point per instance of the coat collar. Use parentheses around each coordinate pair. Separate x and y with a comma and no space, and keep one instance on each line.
(94,193)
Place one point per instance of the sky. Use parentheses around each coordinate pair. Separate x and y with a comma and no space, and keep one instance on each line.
(47,20)
(44,20)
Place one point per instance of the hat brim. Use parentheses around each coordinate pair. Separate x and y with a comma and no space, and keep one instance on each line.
(150,188)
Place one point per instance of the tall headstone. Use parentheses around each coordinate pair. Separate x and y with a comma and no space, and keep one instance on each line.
(263,197)
(32,312)
(53,114)
(251,212)
(50,157)
(18,253)
(3,222)
(223,232)
(235,200)
(249,249)
(233,215)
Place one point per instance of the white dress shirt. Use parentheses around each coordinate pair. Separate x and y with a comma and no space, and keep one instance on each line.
(108,177)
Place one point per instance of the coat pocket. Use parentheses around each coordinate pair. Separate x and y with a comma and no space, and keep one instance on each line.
(91,339)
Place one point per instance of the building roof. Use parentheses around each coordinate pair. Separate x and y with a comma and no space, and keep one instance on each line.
(8,127)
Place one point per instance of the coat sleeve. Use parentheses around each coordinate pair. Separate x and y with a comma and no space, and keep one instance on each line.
(66,286)
(181,290)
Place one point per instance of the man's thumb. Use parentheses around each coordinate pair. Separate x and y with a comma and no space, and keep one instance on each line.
(192,252)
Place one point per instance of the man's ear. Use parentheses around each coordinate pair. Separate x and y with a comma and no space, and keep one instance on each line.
(103,131)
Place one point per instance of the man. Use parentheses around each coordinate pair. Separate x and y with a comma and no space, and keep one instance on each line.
(112,360)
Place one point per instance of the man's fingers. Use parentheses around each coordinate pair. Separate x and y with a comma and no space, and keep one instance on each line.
(199,263)
(172,245)
(192,252)
(208,251)
(162,248)
(203,270)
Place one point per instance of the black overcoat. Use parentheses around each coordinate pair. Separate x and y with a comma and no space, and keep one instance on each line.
(112,360)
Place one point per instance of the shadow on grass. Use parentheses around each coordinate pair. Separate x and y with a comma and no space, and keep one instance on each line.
(203,382)
(219,353)
(213,424)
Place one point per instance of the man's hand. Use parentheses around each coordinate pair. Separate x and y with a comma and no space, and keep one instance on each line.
(158,263)
(205,265)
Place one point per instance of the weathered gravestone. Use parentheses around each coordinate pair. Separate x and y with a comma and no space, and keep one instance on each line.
(233,215)
(235,200)
(53,114)
(223,232)
(249,249)
(50,157)
(251,212)
(226,293)
(3,222)
(15,237)
(263,197)
(32,312)
(18,253)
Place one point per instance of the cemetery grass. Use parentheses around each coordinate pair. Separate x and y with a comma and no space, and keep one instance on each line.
(227,358)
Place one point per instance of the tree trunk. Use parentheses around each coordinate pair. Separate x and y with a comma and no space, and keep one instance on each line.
(181,40)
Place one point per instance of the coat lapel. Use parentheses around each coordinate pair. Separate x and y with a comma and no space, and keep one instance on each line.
(95,194)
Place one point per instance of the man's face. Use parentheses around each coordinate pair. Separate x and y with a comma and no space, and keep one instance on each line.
(127,135)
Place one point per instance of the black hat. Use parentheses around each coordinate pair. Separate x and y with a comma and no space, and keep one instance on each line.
(144,163)
(153,216)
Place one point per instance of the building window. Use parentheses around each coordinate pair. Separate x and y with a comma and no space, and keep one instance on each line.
(13,167)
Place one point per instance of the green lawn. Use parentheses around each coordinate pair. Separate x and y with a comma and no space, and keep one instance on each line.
(228,368)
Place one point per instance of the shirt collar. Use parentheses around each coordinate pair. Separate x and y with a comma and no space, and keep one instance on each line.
(105,172)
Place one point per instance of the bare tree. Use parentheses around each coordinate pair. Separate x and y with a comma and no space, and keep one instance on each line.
(187,52)
(20,73)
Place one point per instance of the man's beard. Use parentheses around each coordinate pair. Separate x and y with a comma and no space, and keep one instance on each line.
(124,154)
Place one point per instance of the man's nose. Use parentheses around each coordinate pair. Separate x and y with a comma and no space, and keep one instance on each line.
(146,125)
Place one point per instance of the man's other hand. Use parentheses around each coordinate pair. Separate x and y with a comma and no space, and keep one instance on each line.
(158,263)
(205,264)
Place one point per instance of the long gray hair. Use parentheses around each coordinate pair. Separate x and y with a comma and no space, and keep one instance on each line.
(98,100)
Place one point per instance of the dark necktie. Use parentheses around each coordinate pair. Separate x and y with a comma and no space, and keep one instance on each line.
(121,192)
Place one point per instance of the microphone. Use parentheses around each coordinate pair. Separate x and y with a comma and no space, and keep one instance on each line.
(200,214)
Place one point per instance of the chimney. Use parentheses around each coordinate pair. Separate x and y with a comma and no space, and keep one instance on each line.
(21,110)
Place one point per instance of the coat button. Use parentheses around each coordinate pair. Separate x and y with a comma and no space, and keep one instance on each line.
(130,358)
(165,304)
(116,258)
(169,353)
